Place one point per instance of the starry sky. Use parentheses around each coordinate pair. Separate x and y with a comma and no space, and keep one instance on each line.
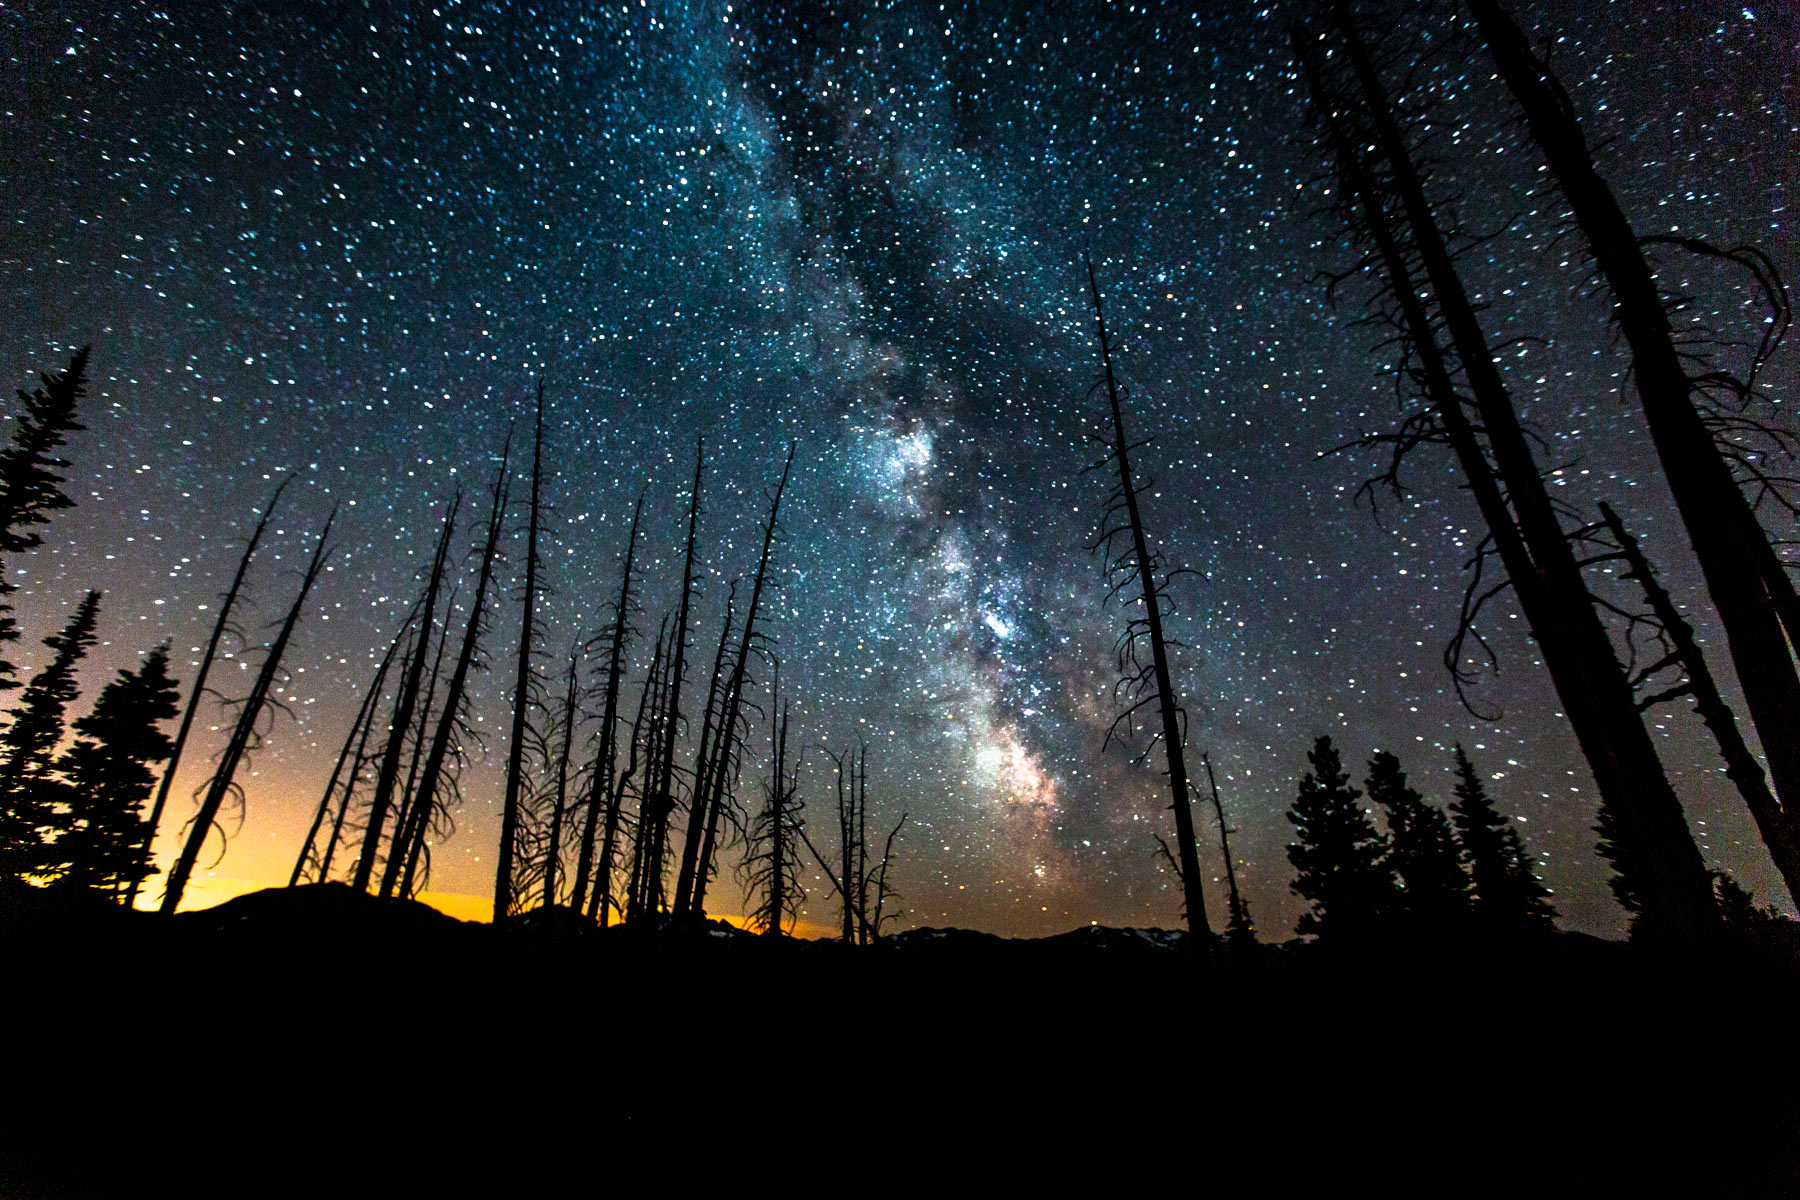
(344,239)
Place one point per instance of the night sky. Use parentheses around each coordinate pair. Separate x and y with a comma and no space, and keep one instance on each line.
(344,240)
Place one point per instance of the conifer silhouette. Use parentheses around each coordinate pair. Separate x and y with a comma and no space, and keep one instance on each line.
(110,771)
(30,487)
(1508,896)
(32,799)
(1425,854)
(1340,857)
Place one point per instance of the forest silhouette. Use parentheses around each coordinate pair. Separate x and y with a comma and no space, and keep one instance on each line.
(1427,959)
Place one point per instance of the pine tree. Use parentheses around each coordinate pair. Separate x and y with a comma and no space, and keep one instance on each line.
(30,488)
(1425,855)
(110,773)
(1508,896)
(32,799)
(1341,857)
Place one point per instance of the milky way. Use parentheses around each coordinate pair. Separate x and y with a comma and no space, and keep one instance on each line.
(345,240)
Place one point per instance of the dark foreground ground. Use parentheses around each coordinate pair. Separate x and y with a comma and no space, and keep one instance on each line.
(316,1042)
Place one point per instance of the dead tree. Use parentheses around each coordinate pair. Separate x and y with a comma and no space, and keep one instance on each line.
(1239,929)
(515,760)
(657,685)
(723,757)
(601,794)
(244,736)
(1135,568)
(220,625)
(654,824)
(361,758)
(447,739)
(421,733)
(600,905)
(570,718)
(388,778)
(352,742)
(699,811)
(1750,588)
(1382,198)
(1741,766)
(772,862)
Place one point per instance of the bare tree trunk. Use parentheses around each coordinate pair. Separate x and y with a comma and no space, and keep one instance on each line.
(515,761)
(1741,766)
(1239,927)
(571,717)
(244,733)
(1653,835)
(734,690)
(390,873)
(466,657)
(198,688)
(1194,899)
(699,812)
(601,904)
(1729,541)
(364,714)
(636,904)
(389,776)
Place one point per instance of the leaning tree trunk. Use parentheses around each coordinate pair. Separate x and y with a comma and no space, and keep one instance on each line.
(1730,543)
(199,686)
(244,733)
(693,835)
(1193,897)
(423,805)
(388,778)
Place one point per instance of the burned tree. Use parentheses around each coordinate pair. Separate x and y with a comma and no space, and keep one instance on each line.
(853,881)
(522,686)
(699,813)
(1239,929)
(568,719)
(1381,197)
(1135,569)
(220,625)
(771,865)
(244,735)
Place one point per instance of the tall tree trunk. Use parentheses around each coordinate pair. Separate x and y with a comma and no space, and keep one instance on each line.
(600,906)
(601,782)
(390,872)
(442,741)
(1239,926)
(515,760)
(244,732)
(734,691)
(1733,548)
(1194,899)
(389,776)
(657,685)
(198,688)
(571,717)
(1653,840)
(699,811)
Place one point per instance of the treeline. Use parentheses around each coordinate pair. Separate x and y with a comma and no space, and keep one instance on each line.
(612,811)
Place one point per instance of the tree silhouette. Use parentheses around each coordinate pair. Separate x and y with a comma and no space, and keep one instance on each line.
(110,772)
(1340,858)
(1239,929)
(1381,196)
(1425,855)
(33,799)
(30,487)
(244,735)
(221,624)
(772,862)
(604,784)
(522,686)
(1508,896)
(1136,568)
(1749,586)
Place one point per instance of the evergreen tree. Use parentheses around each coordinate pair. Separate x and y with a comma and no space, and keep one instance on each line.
(1508,896)
(1341,857)
(110,773)
(31,797)
(30,488)
(1426,857)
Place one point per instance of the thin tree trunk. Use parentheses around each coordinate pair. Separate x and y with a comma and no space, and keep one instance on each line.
(389,776)
(199,685)
(414,839)
(363,716)
(390,873)
(1194,899)
(244,732)
(515,761)
(1239,924)
(1741,766)
(602,902)
(601,784)
(635,906)
(570,719)
(699,813)
(1729,541)
(734,690)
